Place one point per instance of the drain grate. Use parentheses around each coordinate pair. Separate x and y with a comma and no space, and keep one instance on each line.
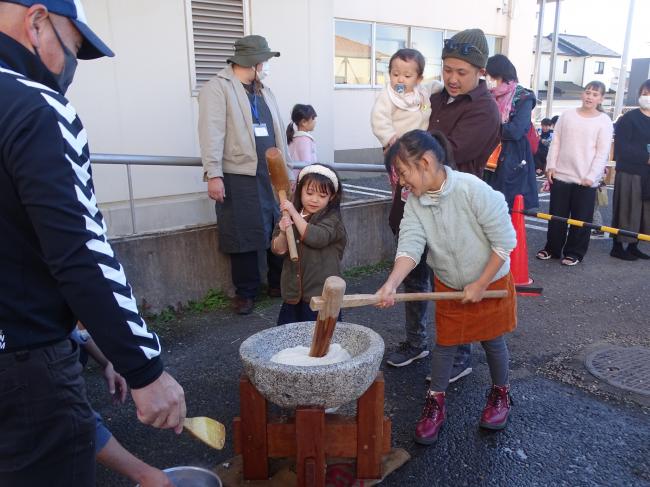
(624,367)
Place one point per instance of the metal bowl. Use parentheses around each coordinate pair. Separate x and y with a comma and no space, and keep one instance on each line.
(193,477)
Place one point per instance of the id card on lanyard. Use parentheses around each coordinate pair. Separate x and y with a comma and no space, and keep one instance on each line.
(259,129)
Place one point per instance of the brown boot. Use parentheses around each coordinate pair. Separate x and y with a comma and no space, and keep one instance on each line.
(496,411)
(433,416)
(242,305)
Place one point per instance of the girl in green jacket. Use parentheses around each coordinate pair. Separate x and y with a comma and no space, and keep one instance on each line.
(320,237)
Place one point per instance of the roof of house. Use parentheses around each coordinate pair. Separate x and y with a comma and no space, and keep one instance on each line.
(345,47)
(572,45)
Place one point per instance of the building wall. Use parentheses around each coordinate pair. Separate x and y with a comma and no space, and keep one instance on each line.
(573,74)
(142,102)
(608,71)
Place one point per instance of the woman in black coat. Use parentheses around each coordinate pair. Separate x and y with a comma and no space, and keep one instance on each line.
(515,173)
(632,186)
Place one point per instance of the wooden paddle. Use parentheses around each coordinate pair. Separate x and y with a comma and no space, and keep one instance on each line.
(355,300)
(282,186)
(333,291)
(208,430)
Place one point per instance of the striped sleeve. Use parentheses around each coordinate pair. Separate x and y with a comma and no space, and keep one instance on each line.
(51,171)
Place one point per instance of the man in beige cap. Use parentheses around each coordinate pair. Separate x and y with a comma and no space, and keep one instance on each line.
(239,120)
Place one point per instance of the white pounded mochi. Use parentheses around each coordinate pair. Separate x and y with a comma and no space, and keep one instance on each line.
(300,356)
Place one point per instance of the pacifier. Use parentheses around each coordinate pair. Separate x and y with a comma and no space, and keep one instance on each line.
(400,88)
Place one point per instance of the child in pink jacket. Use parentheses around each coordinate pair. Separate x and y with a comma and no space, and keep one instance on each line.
(302,147)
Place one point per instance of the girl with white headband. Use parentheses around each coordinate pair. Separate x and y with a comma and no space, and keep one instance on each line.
(320,237)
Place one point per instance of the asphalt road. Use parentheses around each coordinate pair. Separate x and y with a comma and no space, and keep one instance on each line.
(567,428)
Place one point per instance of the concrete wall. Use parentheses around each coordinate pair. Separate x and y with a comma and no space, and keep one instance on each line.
(172,268)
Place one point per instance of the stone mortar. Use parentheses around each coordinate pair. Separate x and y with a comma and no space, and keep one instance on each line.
(290,386)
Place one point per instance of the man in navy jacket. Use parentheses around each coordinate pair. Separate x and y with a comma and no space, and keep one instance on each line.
(56,264)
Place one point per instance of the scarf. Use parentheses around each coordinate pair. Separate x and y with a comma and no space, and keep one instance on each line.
(504,94)
(411,102)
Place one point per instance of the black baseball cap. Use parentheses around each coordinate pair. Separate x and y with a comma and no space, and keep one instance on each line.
(92,47)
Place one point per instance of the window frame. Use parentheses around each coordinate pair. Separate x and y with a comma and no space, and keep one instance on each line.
(373,39)
(191,51)
(600,67)
(565,67)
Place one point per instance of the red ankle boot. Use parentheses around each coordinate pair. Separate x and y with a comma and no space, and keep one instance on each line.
(496,411)
(433,416)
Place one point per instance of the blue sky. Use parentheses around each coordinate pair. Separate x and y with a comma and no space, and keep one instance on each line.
(604,21)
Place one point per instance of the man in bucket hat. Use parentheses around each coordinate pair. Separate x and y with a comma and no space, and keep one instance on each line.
(57,265)
(239,120)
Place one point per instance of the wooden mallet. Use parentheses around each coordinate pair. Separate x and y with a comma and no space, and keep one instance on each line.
(282,186)
(317,303)
(333,292)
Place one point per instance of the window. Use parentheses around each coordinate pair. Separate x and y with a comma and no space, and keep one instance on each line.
(216,25)
(566,67)
(600,67)
(429,43)
(388,39)
(494,45)
(352,53)
(358,46)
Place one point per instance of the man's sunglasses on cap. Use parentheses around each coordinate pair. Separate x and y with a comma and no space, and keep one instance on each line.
(463,48)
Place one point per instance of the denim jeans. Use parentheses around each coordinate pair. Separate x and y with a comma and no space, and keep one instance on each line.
(295,313)
(418,313)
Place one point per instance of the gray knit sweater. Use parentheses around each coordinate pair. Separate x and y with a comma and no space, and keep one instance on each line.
(460,229)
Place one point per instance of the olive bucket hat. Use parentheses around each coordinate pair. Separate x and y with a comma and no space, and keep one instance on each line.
(251,50)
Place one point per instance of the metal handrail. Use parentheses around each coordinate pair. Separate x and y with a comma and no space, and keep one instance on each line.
(129,160)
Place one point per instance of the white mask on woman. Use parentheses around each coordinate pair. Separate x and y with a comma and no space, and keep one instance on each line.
(264,72)
(644,102)
(490,81)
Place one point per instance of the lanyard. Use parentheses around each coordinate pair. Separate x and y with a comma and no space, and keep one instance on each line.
(255,109)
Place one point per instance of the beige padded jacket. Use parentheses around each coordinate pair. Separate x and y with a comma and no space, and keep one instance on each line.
(226,127)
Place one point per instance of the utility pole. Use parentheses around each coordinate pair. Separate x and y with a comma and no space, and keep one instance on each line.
(622,75)
(538,48)
(551,76)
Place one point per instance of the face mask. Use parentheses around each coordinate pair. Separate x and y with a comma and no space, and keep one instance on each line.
(65,77)
(265,70)
(644,102)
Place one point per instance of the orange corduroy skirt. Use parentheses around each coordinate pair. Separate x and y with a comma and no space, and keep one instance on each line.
(458,323)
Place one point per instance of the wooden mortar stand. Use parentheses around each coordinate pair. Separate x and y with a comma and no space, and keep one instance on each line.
(312,436)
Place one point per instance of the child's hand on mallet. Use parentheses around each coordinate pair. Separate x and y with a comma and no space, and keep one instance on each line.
(473,292)
(284,223)
(288,206)
(386,295)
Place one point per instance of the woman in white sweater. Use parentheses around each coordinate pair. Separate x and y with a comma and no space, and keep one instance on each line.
(575,165)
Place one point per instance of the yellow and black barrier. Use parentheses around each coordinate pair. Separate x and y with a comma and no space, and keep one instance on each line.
(578,223)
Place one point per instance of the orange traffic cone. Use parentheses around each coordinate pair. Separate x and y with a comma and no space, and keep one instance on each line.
(519,256)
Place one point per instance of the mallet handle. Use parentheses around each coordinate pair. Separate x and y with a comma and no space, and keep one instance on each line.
(291,239)
(356,300)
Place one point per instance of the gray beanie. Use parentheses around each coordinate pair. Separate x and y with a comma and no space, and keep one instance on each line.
(468,45)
